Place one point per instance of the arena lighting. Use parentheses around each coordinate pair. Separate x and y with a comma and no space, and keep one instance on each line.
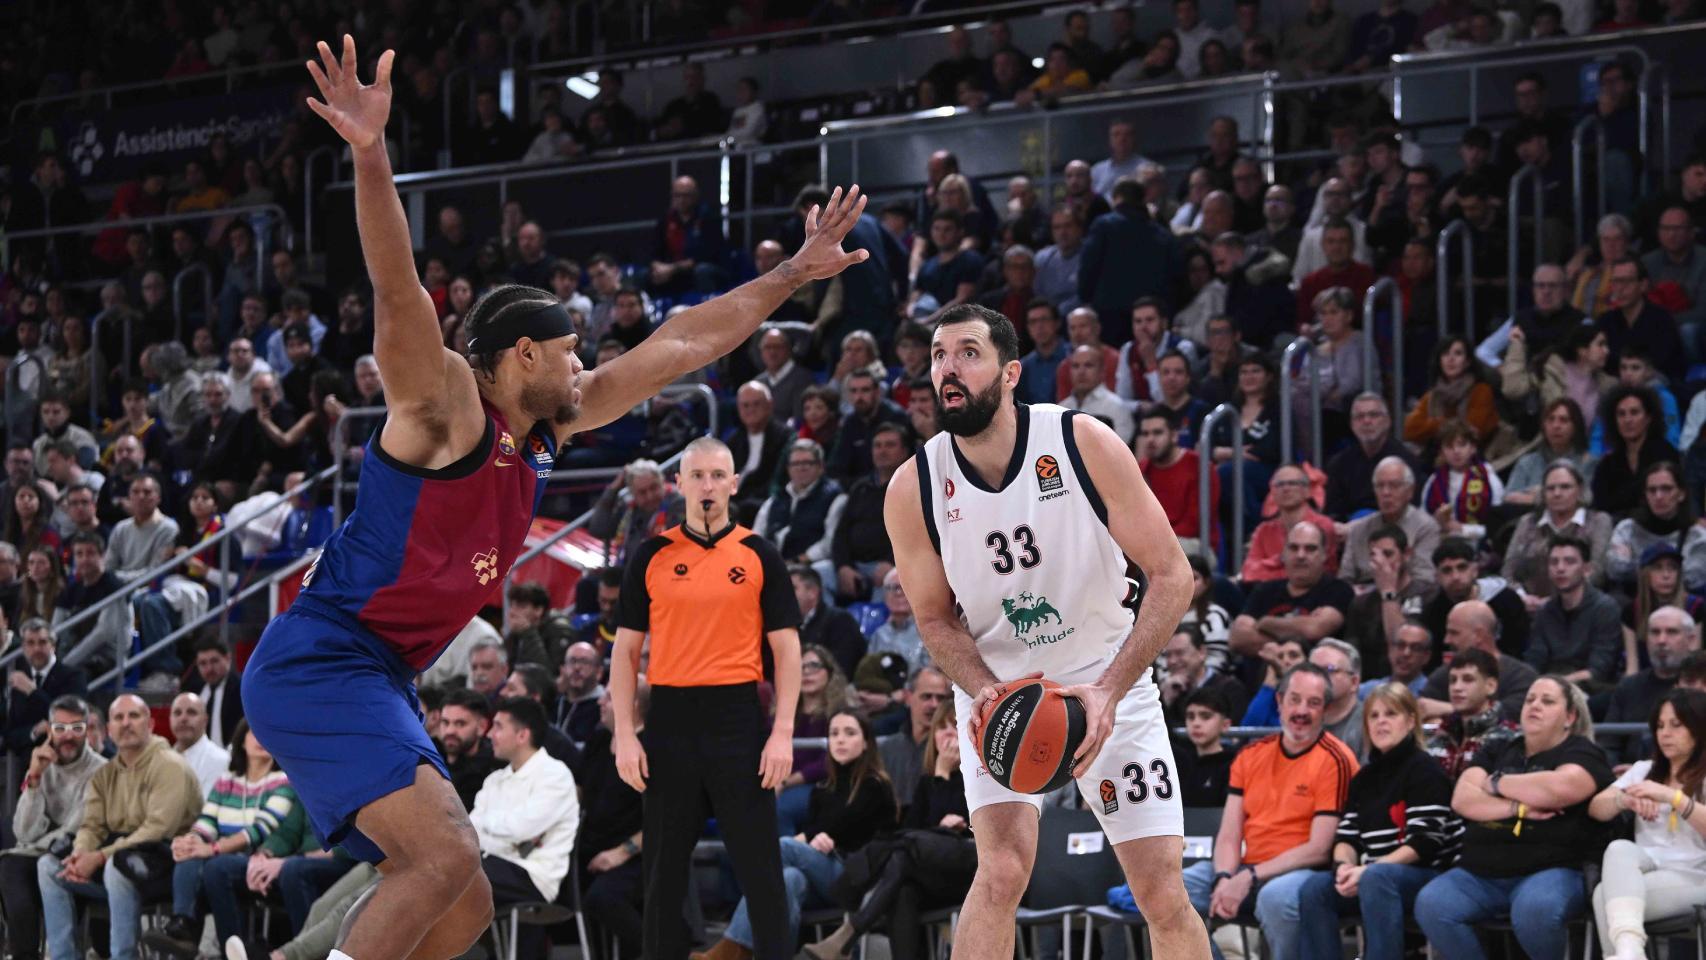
(584,86)
(1037,63)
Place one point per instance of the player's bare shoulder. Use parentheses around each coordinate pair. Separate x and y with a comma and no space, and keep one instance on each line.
(902,511)
(1108,459)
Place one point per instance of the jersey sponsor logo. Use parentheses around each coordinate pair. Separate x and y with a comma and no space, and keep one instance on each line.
(1110,797)
(681,569)
(1048,473)
(485,566)
(506,444)
(505,463)
(737,574)
(541,455)
(948,488)
(1052,496)
(953,514)
(1034,612)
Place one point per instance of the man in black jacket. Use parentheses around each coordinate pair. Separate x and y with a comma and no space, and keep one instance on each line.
(825,624)
(462,742)
(36,681)
(861,550)
(757,448)
(220,688)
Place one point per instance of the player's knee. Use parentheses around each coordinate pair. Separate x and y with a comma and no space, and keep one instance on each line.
(1161,896)
(1004,875)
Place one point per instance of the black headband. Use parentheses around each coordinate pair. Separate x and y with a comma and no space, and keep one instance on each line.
(543,323)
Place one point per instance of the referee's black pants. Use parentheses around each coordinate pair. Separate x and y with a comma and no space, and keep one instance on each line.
(702,748)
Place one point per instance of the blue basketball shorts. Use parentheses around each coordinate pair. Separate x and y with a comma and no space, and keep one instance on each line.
(337,709)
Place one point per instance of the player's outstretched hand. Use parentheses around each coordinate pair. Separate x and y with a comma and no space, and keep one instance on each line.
(821,256)
(986,697)
(1099,706)
(356,111)
(631,762)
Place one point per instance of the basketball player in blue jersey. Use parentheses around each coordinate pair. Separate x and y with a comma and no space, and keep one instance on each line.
(1012,529)
(447,493)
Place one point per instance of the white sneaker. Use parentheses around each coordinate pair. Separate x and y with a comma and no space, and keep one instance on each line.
(234,949)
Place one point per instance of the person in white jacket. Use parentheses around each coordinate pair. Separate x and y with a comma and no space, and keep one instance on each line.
(525,817)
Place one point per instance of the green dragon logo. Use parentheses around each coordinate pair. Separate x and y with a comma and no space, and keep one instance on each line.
(1035,613)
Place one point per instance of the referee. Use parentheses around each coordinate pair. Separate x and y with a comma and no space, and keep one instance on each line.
(710,592)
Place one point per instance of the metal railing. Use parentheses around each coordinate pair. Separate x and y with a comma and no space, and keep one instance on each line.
(308,193)
(1512,259)
(1370,352)
(340,447)
(1590,121)
(1287,361)
(1442,277)
(147,577)
(1208,511)
(208,305)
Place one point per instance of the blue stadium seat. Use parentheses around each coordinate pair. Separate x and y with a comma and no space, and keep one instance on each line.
(869,616)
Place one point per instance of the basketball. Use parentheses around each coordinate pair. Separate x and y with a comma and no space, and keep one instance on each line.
(1029,736)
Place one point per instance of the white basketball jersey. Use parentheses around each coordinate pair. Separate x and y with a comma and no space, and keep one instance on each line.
(1039,581)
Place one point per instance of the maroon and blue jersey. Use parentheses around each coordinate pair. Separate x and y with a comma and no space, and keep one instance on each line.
(425,550)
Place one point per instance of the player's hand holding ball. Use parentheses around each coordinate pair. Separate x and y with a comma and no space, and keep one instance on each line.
(1030,733)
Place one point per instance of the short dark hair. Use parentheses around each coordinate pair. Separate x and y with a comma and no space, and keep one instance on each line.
(90,538)
(1001,332)
(1694,667)
(889,426)
(1193,632)
(1454,548)
(70,703)
(948,216)
(212,642)
(1566,541)
(469,700)
(1127,192)
(1477,136)
(1042,303)
(1479,659)
(431,698)
(1392,532)
(806,573)
(531,593)
(527,714)
(1160,411)
(535,678)
(1210,697)
(610,577)
(913,332)
(1159,304)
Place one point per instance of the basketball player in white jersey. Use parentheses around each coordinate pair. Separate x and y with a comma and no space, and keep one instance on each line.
(1011,530)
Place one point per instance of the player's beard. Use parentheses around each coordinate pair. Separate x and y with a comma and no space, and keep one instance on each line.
(974,414)
(547,404)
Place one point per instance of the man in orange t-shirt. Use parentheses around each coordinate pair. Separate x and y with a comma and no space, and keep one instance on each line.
(1287,791)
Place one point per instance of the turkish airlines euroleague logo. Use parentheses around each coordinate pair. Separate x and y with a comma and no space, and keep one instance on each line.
(1110,797)
(1048,473)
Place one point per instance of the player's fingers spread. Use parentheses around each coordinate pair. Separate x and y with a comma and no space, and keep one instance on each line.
(320,80)
(382,76)
(811,220)
(333,72)
(349,55)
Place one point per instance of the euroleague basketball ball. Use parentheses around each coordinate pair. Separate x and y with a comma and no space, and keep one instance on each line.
(1030,735)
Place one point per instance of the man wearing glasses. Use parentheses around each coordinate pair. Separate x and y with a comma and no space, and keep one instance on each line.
(903,753)
(1343,666)
(1542,325)
(1679,259)
(48,811)
(1632,321)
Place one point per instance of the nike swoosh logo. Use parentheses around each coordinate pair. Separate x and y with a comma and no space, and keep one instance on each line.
(505,463)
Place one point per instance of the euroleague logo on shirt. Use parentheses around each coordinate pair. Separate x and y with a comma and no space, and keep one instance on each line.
(1049,478)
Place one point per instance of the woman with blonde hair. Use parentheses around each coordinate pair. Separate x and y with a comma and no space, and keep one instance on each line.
(1379,865)
(1524,803)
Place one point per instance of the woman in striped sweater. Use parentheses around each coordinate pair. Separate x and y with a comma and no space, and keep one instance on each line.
(1379,865)
(242,809)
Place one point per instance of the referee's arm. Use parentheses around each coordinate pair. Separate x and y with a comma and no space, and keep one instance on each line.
(633,619)
(780,607)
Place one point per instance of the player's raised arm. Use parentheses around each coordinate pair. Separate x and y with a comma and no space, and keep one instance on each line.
(406,337)
(714,328)
(1140,526)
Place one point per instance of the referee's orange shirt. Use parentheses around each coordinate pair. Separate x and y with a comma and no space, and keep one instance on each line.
(707,603)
